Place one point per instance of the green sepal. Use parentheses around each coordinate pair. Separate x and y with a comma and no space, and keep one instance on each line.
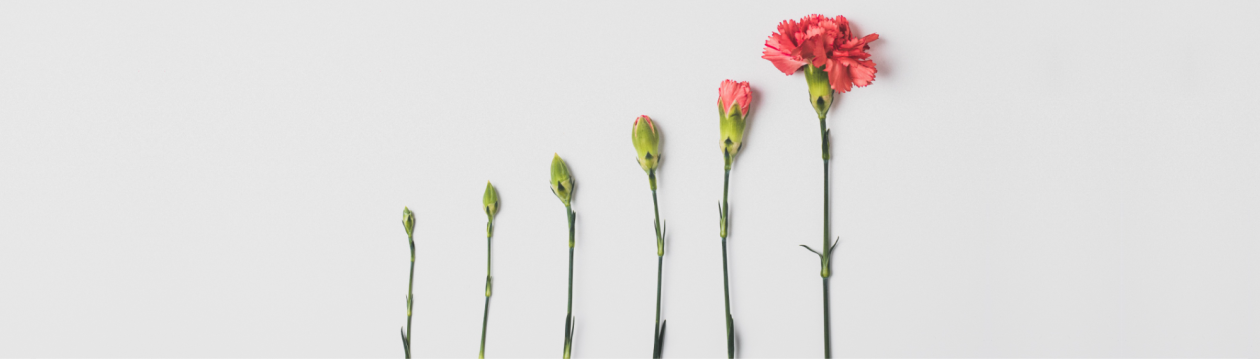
(820,92)
(490,201)
(562,182)
(409,221)
(647,143)
(731,124)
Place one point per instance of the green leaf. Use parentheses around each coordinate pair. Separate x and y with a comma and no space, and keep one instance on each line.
(730,336)
(406,344)
(812,250)
(659,343)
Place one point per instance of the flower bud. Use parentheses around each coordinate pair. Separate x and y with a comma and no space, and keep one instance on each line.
(490,201)
(409,221)
(561,180)
(647,142)
(820,92)
(733,101)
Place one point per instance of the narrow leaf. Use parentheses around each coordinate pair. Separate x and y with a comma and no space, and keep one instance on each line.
(812,250)
(406,344)
(730,335)
(568,324)
(659,343)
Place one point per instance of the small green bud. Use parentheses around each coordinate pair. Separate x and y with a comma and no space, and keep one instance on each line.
(490,201)
(409,221)
(647,142)
(561,180)
(820,92)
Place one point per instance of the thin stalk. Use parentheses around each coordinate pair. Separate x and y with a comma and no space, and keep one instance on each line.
(568,321)
(826,255)
(660,262)
(826,319)
(656,334)
(485,316)
(411,280)
(726,287)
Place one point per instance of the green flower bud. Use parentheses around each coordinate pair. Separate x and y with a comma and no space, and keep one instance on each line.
(561,180)
(490,201)
(733,105)
(409,221)
(647,142)
(820,92)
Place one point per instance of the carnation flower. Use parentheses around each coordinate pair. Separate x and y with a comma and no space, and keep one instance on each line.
(733,101)
(826,43)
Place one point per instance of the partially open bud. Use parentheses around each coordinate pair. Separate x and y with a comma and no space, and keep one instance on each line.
(490,201)
(647,142)
(409,221)
(733,101)
(561,180)
(820,92)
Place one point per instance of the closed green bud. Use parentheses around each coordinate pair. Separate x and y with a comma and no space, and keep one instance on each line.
(647,142)
(409,221)
(561,180)
(820,92)
(490,201)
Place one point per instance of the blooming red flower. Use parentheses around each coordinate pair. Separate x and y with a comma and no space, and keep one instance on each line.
(822,42)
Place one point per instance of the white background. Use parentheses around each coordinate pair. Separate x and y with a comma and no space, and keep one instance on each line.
(216,179)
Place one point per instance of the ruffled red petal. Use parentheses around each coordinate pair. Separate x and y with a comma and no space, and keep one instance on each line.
(823,42)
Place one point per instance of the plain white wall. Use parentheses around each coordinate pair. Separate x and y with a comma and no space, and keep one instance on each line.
(226,179)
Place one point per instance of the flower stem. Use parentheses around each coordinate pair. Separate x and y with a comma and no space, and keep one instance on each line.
(410,281)
(568,319)
(726,288)
(826,254)
(485,316)
(656,333)
(660,262)
(826,319)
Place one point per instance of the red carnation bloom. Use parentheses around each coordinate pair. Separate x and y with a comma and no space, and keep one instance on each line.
(823,42)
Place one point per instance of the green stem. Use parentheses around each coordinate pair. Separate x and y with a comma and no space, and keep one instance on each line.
(726,288)
(410,281)
(656,332)
(568,322)
(826,320)
(826,254)
(660,261)
(485,316)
